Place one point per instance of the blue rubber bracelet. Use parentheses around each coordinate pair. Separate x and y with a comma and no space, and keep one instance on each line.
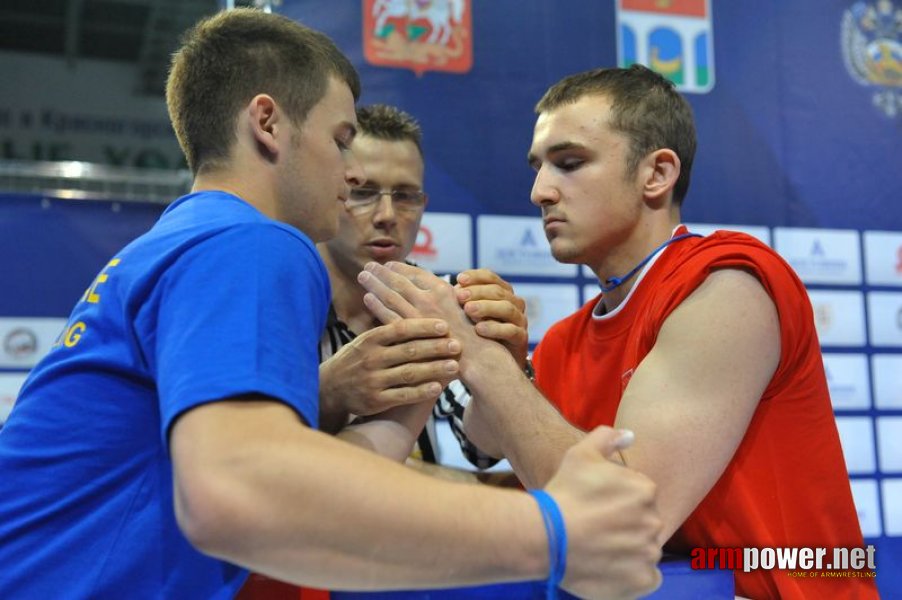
(557,540)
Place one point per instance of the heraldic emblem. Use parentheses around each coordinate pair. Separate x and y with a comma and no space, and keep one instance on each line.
(872,51)
(421,35)
(672,37)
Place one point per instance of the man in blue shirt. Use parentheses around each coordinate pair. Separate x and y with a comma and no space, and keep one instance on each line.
(168,442)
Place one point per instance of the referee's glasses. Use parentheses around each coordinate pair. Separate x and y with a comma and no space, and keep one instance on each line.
(364,199)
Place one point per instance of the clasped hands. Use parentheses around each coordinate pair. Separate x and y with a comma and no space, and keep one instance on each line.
(418,350)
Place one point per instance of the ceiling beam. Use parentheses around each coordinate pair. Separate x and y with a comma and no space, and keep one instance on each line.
(73,30)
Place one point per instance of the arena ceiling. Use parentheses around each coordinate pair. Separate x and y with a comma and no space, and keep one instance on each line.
(142,32)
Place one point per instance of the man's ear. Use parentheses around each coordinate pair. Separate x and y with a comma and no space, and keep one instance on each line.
(662,172)
(265,121)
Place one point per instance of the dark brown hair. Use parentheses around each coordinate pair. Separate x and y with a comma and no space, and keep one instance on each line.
(644,106)
(389,123)
(227,59)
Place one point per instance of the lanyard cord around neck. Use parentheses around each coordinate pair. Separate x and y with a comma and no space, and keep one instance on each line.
(615,282)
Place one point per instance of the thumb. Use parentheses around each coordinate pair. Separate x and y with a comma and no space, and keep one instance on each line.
(607,440)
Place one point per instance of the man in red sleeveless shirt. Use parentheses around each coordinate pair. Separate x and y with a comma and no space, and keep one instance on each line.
(705,347)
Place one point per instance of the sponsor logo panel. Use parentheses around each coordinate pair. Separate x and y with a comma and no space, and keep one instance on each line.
(887,372)
(857,437)
(546,304)
(883,258)
(444,243)
(847,377)
(517,246)
(821,255)
(892,506)
(24,341)
(885,318)
(867,505)
(10,385)
(839,317)
(889,444)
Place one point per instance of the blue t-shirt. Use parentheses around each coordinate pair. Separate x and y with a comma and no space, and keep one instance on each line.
(215,301)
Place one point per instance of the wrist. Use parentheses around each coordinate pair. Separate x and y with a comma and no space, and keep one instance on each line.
(530,563)
(488,362)
(556,533)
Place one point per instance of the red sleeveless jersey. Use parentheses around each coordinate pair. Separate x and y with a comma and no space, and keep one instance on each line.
(787,484)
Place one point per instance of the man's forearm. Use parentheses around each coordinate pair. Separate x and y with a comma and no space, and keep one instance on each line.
(392,433)
(528,430)
(277,498)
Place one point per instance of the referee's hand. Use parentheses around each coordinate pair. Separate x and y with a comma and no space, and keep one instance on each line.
(405,362)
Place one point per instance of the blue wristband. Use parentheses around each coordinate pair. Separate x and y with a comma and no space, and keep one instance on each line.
(557,540)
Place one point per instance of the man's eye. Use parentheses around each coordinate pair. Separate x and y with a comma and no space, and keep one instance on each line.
(569,164)
(363,193)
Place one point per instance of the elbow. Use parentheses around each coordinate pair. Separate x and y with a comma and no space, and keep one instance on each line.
(206,518)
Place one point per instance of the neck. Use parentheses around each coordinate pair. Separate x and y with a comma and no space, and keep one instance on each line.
(252,184)
(622,270)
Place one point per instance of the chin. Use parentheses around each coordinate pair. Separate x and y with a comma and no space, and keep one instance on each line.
(565,255)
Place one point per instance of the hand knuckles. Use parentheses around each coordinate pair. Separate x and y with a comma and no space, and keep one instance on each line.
(425,394)
(402,328)
(402,396)
(408,374)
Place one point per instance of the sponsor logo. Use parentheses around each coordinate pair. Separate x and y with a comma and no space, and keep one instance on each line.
(823,316)
(672,37)
(424,245)
(871,39)
(421,35)
(818,263)
(799,562)
(533,308)
(20,343)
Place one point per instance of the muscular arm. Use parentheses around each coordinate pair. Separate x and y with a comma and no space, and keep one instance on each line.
(689,402)
(692,397)
(254,486)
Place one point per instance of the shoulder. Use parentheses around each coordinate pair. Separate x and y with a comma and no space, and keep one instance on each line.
(734,246)
(733,250)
